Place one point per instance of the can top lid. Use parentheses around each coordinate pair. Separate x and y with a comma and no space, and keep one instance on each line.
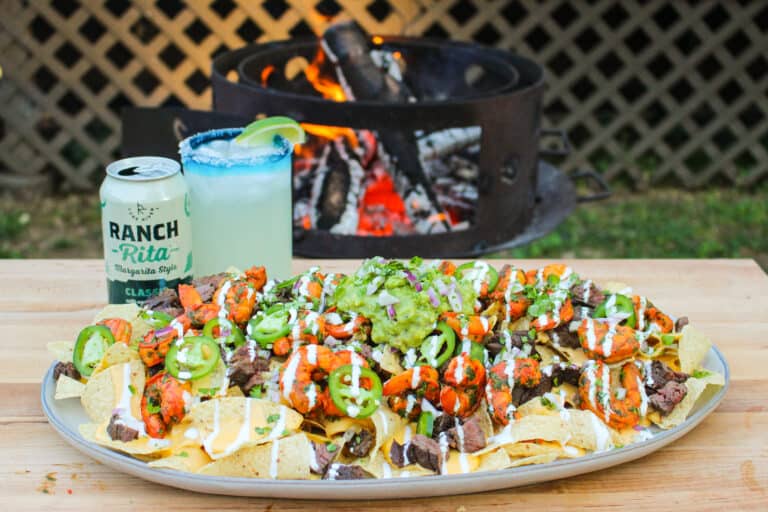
(143,168)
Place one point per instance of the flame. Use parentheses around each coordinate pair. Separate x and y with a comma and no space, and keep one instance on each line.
(265,74)
(331,132)
(329,88)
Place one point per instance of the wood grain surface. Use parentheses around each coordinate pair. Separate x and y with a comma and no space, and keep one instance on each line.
(721,465)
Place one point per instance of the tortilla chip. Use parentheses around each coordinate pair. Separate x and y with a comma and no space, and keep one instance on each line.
(497,459)
(694,347)
(518,450)
(99,397)
(61,350)
(117,353)
(539,405)
(547,355)
(572,355)
(146,446)
(67,387)
(235,392)
(697,387)
(385,424)
(390,362)
(460,463)
(215,383)
(588,431)
(484,419)
(527,428)
(341,425)
(380,467)
(189,459)
(287,458)
(129,312)
(535,459)
(521,324)
(227,424)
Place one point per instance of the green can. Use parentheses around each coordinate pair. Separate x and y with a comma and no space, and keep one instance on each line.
(146,228)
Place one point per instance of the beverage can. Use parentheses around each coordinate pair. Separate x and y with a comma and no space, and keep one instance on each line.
(146,227)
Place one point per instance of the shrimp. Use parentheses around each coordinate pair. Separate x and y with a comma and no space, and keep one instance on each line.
(509,290)
(198,312)
(345,330)
(618,408)
(404,391)
(647,312)
(502,379)
(163,403)
(463,380)
(152,349)
(121,329)
(447,267)
(550,320)
(303,377)
(474,327)
(257,277)
(237,297)
(611,344)
(343,357)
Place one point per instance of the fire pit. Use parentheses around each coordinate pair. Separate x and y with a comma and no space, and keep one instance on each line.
(414,146)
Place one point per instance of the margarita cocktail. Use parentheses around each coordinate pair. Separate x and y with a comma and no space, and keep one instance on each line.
(241,201)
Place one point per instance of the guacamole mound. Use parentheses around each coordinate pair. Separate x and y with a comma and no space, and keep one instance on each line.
(379,283)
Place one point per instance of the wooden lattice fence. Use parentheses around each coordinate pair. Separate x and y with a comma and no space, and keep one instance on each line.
(648,90)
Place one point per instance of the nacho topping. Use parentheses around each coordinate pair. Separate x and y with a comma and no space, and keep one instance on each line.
(398,370)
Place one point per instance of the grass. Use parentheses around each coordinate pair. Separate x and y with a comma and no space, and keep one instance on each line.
(662,224)
(658,224)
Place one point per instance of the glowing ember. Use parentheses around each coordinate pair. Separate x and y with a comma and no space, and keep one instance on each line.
(382,211)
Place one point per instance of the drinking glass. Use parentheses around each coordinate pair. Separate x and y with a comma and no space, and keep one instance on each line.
(241,202)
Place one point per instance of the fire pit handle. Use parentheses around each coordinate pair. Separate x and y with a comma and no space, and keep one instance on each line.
(603,188)
(563,149)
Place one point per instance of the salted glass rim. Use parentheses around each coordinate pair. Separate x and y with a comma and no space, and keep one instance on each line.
(188,149)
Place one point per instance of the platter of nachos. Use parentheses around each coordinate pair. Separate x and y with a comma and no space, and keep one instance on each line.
(418,377)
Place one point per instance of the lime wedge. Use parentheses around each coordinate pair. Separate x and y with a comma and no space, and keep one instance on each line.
(263,131)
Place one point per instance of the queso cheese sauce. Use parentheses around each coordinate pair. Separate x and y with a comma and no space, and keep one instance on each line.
(400,369)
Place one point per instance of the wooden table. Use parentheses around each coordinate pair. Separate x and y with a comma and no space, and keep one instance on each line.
(723,464)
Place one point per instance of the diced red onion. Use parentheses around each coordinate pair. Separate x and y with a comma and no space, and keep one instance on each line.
(433,297)
(639,428)
(441,287)
(165,331)
(412,279)
(297,285)
(391,311)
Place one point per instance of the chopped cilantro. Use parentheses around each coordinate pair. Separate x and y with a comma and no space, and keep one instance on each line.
(256,391)
(331,447)
(132,389)
(208,391)
(698,374)
(553,280)
(273,418)
(182,454)
(152,407)
(262,430)
(546,402)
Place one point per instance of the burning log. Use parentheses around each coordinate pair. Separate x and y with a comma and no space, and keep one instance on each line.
(346,45)
(336,189)
(446,142)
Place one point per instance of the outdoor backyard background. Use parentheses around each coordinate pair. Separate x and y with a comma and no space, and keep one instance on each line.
(667,99)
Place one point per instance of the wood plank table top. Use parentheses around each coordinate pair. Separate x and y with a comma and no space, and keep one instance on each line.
(722,464)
